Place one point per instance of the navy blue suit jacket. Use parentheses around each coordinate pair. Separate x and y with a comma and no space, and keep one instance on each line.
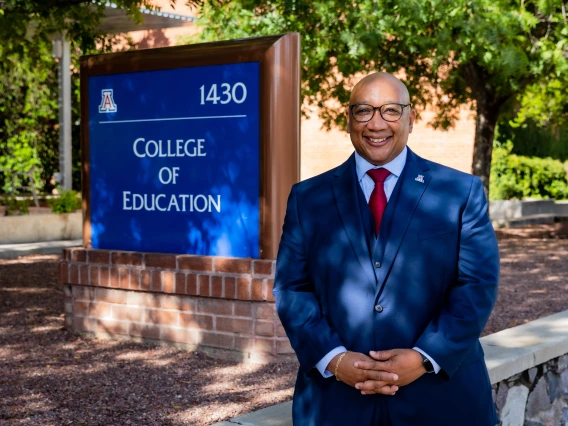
(437,284)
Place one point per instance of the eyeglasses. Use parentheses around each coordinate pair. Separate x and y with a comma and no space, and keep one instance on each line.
(389,112)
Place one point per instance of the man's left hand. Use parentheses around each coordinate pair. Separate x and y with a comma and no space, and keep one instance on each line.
(406,363)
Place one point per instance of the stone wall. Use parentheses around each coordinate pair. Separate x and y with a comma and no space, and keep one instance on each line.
(536,397)
(220,306)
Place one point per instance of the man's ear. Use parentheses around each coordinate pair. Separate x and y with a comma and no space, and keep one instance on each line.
(411,118)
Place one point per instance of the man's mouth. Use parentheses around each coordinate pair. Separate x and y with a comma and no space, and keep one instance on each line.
(378,141)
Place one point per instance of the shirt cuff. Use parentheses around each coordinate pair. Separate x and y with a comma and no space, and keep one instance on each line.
(322,365)
(437,368)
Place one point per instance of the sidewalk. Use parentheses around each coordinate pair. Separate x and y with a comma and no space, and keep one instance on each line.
(8,251)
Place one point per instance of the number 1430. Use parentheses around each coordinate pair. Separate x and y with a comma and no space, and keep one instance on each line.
(236,93)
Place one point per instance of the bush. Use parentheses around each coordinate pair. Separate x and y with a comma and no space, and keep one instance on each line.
(15,207)
(518,177)
(67,202)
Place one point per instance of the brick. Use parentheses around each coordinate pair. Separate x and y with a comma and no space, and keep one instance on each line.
(263,310)
(74,274)
(244,344)
(145,280)
(204,288)
(156,283)
(180,303)
(127,313)
(112,326)
(284,347)
(168,283)
(84,274)
(264,345)
(269,295)
(180,335)
(280,332)
(233,325)
(232,265)
(262,267)
(148,331)
(218,340)
(243,288)
(114,278)
(230,287)
(159,260)
(204,322)
(268,289)
(256,289)
(195,263)
(264,328)
(104,277)
(243,309)
(68,307)
(191,284)
(63,273)
(110,295)
(94,275)
(124,278)
(100,310)
(216,286)
(179,283)
(161,316)
(214,306)
(84,324)
(83,293)
(127,258)
(81,307)
(99,256)
(79,255)
(134,279)
(67,254)
(148,300)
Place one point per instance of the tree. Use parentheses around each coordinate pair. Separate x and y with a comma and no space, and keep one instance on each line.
(481,54)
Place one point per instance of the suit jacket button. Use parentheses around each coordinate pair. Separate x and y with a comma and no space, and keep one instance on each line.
(377,264)
(378,308)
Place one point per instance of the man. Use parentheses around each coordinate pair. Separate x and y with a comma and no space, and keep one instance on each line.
(387,272)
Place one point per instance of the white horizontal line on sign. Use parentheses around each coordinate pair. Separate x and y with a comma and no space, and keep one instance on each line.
(172,119)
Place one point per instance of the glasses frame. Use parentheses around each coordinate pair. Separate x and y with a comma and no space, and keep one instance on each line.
(380,112)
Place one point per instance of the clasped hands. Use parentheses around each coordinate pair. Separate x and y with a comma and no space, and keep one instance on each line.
(382,372)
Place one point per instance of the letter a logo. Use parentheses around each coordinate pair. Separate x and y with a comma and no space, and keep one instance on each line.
(107,102)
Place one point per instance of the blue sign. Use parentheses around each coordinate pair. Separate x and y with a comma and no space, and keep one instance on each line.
(174,160)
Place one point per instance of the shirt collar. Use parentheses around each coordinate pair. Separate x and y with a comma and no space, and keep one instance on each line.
(395,166)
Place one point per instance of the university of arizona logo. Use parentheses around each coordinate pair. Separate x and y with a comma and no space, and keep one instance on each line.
(107,103)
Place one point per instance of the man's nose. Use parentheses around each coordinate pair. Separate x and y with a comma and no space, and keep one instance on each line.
(377,122)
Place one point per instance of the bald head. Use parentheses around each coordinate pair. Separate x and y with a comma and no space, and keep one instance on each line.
(375,82)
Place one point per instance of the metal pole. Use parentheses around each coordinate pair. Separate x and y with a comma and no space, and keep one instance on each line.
(64,77)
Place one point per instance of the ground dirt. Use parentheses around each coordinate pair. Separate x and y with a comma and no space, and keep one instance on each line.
(51,377)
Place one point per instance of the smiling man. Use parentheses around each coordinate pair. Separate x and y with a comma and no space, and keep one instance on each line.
(386,275)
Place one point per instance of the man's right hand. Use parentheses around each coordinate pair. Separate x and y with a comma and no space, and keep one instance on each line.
(347,373)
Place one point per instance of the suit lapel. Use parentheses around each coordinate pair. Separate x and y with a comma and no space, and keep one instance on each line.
(411,190)
(345,194)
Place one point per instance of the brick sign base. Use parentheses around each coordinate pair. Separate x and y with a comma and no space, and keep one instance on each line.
(220,306)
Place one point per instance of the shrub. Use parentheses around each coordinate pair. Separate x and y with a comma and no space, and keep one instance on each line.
(15,207)
(67,202)
(518,177)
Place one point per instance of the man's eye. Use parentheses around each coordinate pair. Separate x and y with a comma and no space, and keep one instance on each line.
(363,111)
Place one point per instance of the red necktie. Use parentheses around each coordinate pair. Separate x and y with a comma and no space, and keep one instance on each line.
(378,200)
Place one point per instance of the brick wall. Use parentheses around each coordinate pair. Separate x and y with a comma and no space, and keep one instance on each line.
(222,306)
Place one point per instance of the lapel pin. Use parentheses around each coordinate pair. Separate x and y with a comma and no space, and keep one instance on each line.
(419,178)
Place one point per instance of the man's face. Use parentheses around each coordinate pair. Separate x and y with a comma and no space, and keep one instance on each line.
(379,141)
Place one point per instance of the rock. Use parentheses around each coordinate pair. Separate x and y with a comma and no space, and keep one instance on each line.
(532,374)
(501,396)
(513,413)
(538,400)
(553,390)
(562,363)
(564,382)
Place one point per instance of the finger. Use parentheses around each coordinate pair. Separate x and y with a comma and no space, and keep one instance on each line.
(381,376)
(373,365)
(381,355)
(376,387)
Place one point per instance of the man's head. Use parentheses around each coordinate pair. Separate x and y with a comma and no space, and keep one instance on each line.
(378,140)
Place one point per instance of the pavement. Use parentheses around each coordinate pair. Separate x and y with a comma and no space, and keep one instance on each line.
(12,251)
(276,415)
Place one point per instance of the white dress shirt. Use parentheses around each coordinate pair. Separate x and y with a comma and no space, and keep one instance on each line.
(368,185)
